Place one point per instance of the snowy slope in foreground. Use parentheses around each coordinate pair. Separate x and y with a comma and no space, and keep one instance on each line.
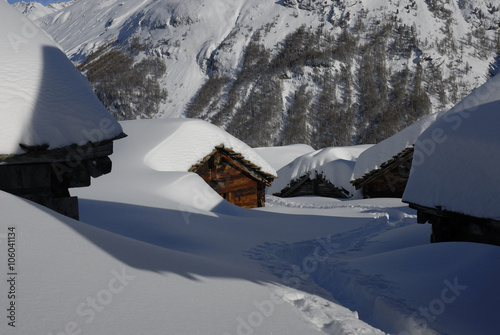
(75,278)
(158,253)
(456,160)
(44,99)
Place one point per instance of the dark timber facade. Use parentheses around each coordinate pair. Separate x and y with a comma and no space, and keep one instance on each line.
(45,176)
(319,186)
(450,226)
(390,180)
(232,176)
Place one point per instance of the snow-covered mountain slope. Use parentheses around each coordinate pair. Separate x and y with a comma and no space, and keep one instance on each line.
(164,254)
(296,71)
(35,10)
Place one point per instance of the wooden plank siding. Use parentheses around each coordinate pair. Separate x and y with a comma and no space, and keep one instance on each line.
(318,186)
(389,181)
(450,226)
(45,176)
(233,179)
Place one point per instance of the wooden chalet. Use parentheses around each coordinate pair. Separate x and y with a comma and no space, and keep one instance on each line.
(319,186)
(236,179)
(56,134)
(45,176)
(448,226)
(389,181)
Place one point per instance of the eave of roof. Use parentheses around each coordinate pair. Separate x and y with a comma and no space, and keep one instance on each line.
(251,168)
(74,152)
(395,160)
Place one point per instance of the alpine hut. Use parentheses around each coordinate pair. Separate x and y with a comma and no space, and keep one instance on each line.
(54,132)
(454,183)
(324,172)
(233,169)
(382,171)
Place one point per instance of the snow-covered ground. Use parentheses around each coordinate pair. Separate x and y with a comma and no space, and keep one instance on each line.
(159,252)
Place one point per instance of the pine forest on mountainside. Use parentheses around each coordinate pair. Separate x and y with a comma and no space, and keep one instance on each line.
(355,76)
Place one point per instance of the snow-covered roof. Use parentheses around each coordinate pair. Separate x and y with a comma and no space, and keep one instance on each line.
(188,141)
(280,156)
(456,160)
(374,157)
(335,164)
(44,99)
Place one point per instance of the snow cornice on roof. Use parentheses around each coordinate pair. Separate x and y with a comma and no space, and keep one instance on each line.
(388,165)
(45,102)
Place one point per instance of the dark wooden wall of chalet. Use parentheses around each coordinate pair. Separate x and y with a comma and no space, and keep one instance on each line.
(231,182)
(319,187)
(39,183)
(390,184)
(46,176)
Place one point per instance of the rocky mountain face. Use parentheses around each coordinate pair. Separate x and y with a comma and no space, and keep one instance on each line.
(35,10)
(324,73)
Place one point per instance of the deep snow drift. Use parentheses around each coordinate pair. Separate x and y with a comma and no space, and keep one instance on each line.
(44,99)
(187,142)
(456,159)
(163,254)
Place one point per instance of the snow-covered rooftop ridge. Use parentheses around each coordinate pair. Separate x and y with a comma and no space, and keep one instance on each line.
(374,157)
(44,99)
(456,159)
(188,141)
(335,164)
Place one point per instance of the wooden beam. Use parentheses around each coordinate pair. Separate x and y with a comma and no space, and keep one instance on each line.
(299,183)
(72,153)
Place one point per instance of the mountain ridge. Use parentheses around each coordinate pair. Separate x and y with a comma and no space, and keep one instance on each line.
(433,53)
